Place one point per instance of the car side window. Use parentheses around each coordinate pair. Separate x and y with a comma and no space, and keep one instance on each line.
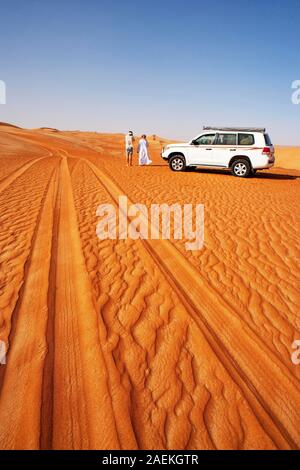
(207,139)
(226,139)
(246,139)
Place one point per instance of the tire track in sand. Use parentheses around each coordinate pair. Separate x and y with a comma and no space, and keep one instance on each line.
(82,410)
(162,370)
(8,180)
(22,381)
(75,413)
(250,254)
(20,207)
(238,347)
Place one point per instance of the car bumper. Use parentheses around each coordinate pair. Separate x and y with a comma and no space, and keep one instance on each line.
(164,155)
(264,167)
(270,161)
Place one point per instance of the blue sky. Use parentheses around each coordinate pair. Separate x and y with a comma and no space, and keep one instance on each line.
(166,66)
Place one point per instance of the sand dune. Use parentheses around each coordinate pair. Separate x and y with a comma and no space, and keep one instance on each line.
(6,124)
(288,157)
(123,344)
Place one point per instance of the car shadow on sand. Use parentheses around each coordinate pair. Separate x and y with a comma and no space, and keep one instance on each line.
(258,174)
(214,171)
(275,176)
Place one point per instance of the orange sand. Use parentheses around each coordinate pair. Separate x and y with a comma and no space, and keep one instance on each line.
(126,344)
(288,157)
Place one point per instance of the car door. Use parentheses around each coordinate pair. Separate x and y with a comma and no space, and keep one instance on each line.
(201,150)
(225,148)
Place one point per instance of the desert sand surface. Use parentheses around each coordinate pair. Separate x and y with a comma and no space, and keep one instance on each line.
(287,157)
(140,344)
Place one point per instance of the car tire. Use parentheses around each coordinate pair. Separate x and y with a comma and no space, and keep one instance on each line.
(241,168)
(177,163)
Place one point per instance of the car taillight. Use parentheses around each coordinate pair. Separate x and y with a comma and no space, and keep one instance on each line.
(266,151)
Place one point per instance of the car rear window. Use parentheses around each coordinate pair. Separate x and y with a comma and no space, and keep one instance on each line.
(226,139)
(268,140)
(246,139)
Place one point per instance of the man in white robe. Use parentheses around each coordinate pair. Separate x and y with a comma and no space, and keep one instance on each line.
(143,151)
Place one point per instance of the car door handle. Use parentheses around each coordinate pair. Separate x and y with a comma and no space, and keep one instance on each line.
(208,149)
(232,150)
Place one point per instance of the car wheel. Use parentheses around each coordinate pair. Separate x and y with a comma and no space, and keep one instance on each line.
(177,163)
(241,168)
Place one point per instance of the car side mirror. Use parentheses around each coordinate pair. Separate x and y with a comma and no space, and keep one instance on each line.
(194,142)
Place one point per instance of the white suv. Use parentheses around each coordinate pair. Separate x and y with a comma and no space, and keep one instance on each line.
(243,150)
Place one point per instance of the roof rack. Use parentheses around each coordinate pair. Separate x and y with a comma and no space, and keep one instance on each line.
(241,129)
